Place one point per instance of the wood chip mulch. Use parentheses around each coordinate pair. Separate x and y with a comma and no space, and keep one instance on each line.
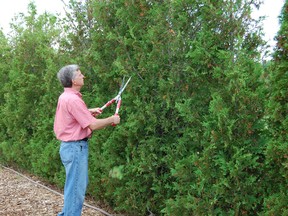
(21,197)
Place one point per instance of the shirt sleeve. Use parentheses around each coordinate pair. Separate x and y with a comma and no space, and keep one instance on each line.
(80,112)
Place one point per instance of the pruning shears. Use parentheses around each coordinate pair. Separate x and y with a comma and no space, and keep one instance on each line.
(117,99)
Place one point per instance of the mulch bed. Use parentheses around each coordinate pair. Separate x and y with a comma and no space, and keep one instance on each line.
(21,197)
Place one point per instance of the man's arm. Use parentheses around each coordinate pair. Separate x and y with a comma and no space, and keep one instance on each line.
(102,123)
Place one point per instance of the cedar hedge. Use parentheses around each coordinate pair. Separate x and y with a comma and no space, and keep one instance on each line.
(204,124)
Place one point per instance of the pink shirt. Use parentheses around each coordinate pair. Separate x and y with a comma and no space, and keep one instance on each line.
(72,117)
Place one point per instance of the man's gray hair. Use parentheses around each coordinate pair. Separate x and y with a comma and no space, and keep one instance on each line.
(67,74)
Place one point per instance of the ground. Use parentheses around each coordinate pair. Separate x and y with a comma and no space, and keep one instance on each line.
(21,197)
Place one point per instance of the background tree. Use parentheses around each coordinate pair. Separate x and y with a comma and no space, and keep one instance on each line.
(30,92)
(277,127)
(4,67)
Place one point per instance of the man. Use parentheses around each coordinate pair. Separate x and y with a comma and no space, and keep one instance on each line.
(73,125)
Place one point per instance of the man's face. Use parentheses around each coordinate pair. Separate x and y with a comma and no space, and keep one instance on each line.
(78,79)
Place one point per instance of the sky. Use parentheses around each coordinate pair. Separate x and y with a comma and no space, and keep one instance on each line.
(10,8)
(271,9)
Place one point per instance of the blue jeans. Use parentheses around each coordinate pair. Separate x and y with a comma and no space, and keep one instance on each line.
(74,156)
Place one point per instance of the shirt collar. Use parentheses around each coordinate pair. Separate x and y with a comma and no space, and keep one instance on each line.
(73,91)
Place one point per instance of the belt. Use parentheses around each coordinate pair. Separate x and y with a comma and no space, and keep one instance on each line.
(84,139)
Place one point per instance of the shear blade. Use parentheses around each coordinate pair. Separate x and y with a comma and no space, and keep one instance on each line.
(122,88)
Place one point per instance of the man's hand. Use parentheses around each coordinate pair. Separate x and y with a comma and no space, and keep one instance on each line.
(95,111)
(115,119)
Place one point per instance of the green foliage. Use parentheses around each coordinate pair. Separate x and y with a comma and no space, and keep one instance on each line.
(277,127)
(29,94)
(199,133)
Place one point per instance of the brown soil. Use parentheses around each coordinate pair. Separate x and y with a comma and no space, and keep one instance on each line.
(21,197)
